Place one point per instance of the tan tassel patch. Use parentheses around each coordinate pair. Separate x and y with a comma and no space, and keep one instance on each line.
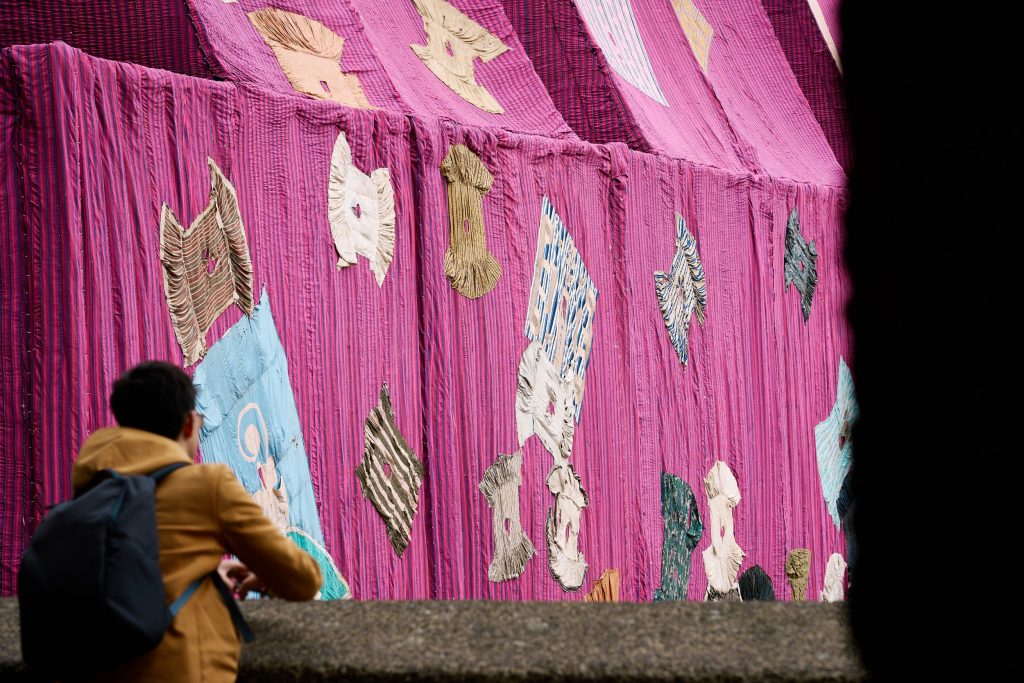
(606,588)
(206,268)
(310,56)
(453,42)
(798,569)
(512,547)
(472,270)
(361,211)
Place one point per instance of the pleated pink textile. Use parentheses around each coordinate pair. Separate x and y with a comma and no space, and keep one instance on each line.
(746,113)
(211,38)
(98,146)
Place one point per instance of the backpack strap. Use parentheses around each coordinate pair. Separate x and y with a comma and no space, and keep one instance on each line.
(159,474)
(229,602)
(225,594)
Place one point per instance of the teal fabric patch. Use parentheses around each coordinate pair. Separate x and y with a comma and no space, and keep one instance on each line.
(683,531)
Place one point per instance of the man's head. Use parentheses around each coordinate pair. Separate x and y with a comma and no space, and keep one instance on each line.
(158,397)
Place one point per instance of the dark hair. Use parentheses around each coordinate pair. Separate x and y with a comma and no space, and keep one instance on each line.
(153,396)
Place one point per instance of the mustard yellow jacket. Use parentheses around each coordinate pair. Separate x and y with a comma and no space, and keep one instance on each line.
(202,513)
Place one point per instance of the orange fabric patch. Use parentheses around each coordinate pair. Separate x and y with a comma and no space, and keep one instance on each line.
(310,56)
(606,588)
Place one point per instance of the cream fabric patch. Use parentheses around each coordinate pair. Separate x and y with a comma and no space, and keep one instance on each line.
(390,473)
(834,586)
(798,569)
(563,527)
(544,405)
(723,557)
(683,291)
(361,211)
(453,42)
(512,547)
(472,270)
(606,588)
(697,29)
(206,268)
(310,56)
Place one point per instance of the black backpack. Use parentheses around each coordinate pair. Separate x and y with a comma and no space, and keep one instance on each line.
(90,590)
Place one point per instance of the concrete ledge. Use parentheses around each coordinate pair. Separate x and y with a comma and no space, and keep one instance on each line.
(496,641)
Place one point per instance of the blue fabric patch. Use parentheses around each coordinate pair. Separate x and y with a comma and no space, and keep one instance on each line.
(250,423)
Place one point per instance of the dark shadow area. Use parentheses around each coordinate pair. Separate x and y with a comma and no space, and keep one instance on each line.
(935,115)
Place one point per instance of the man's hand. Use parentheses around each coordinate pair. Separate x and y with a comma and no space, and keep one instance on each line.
(238,577)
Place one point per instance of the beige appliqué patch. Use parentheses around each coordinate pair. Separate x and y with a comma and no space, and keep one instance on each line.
(207,267)
(453,42)
(310,56)
(697,29)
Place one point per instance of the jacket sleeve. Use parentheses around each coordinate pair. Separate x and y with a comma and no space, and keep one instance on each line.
(288,571)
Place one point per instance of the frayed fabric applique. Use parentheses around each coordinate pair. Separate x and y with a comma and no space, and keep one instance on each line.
(723,557)
(715,595)
(697,29)
(562,304)
(469,266)
(606,588)
(206,268)
(540,389)
(682,292)
(683,531)
(390,474)
(361,212)
(800,266)
(834,586)
(512,547)
(453,42)
(309,54)
(798,569)
(565,560)
(834,443)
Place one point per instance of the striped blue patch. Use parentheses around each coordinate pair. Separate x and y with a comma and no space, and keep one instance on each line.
(563,301)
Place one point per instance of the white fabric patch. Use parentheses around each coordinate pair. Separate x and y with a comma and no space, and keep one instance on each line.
(544,405)
(361,212)
(613,26)
(563,528)
(723,557)
(834,583)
